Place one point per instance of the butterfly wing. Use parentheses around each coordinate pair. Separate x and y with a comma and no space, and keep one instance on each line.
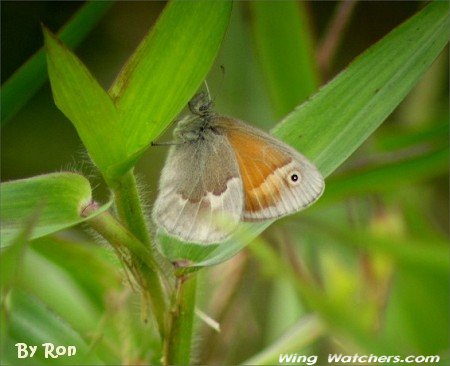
(200,194)
(277,179)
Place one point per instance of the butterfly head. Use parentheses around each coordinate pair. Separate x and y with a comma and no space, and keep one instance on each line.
(197,127)
(201,105)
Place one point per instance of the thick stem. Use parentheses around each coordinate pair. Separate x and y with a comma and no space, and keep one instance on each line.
(129,208)
(177,347)
(119,237)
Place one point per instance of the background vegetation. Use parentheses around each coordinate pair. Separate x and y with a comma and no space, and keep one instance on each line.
(364,270)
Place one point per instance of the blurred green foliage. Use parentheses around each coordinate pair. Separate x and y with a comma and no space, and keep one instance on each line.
(365,270)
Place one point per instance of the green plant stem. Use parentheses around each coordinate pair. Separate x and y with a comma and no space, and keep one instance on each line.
(129,208)
(130,212)
(177,347)
(111,229)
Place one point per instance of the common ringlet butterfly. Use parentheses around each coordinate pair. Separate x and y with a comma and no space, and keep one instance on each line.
(221,167)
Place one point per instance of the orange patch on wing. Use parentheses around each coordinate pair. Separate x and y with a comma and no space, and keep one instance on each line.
(257,160)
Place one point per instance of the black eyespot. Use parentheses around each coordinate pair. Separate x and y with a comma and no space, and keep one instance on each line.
(294,177)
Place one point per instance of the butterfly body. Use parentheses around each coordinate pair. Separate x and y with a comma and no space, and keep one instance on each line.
(221,171)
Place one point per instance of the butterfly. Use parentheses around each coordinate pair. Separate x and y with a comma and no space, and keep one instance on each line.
(221,171)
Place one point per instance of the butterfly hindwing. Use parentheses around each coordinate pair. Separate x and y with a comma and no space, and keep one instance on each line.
(277,180)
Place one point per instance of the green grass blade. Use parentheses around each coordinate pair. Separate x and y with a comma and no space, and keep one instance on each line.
(168,67)
(12,257)
(412,291)
(434,135)
(285,50)
(67,287)
(27,80)
(307,331)
(64,262)
(337,120)
(386,177)
(31,321)
(60,198)
(406,252)
(340,319)
(80,97)
(69,254)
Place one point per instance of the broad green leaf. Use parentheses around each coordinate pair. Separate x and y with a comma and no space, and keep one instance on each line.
(337,120)
(27,80)
(167,68)
(284,45)
(60,197)
(88,106)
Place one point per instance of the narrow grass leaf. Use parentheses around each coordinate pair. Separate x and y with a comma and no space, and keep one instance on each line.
(74,256)
(396,140)
(386,177)
(62,196)
(412,291)
(339,319)
(12,257)
(86,104)
(406,252)
(63,294)
(27,80)
(302,335)
(337,120)
(284,46)
(30,321)
(167,68)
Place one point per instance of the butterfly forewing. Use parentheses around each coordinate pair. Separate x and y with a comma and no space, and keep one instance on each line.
(201,194)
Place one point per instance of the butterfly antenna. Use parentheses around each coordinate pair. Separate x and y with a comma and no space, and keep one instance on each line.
(222,68)
(207,90)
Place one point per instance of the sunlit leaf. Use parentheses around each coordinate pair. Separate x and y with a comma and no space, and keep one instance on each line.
(88,106)
(167,68)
